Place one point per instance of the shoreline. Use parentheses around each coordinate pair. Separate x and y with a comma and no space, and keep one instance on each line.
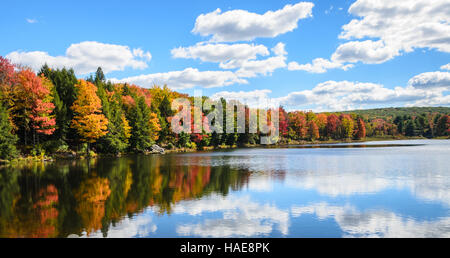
(74,156)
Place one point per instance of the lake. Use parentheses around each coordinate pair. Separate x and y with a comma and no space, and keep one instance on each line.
(373,189)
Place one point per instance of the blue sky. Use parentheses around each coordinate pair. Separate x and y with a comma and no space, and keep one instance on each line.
(368,53)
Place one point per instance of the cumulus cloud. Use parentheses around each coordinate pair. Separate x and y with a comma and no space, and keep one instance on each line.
(401,25)
(431,80)
(345,95)
(385,29)
(253,68)
(445,67)
(241,25)
(188,78)
(318,65)
(256,98)
(228,55)
(369,52)
(422,90)
(86,57)
(245,64)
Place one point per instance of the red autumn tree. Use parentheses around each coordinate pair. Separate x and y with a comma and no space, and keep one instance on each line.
(333,124)
(361,129)
(7,78)
(197,126)
(313,130)
(443,126)
(41,114)
(283,121)
(33,105)
(297,121)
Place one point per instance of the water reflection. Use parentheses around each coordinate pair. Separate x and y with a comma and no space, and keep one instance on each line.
(241,217)
(375,223)
(84,197)
(344,192)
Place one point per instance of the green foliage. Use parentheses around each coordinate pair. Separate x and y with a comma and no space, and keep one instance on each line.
(116,141)
(165,111)
(139,117)
(7,139)
(184,140)
(389,113)
(231,139)
(410,129)
(64,94)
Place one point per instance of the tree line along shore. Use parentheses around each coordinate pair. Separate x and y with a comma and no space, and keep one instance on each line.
(52,113)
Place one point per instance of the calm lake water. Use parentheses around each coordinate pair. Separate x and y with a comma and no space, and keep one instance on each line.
(375,189)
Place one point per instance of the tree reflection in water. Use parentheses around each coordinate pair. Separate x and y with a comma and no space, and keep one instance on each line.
(63,198)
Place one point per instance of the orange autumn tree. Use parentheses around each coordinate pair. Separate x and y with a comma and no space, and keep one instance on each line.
(91,197)
(154,126)
(313,131)
(88,119)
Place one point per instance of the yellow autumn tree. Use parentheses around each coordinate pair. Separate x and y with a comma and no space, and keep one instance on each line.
(126,128)
(155,127)
(91,197)
(88,119)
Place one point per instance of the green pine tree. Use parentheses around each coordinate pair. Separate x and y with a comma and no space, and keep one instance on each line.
(410,129)
(139,121)
(7,139)
(64,95)
(165,111)
(115,141)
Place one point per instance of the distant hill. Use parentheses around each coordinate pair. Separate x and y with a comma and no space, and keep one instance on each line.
(387,113)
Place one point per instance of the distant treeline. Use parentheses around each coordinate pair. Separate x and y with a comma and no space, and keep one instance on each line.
(54,112)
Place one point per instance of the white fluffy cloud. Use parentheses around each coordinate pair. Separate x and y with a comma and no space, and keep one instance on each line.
(445,67)
(431,80)
(425,89)
(188,78)
(86,57)
(319,65)
(252,68)
(228,55)
(369,52)
(241,25)
(401,25)
(345,95)
(385,29)
(256,98)
(245,64)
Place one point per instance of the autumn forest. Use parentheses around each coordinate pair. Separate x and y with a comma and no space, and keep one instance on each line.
(54,112)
